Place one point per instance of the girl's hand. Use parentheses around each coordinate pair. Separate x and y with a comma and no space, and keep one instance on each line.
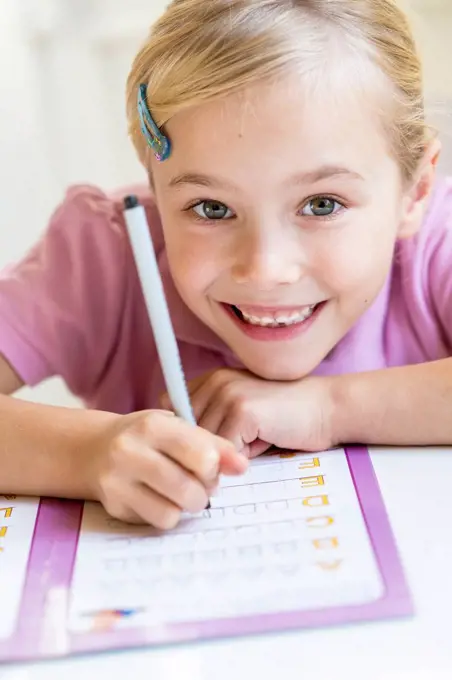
(254,414)
(150,466)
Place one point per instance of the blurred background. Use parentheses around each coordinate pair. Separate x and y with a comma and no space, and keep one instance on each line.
(63,65)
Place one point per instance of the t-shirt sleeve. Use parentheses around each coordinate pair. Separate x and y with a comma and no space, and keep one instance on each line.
(438,273)
(61,305)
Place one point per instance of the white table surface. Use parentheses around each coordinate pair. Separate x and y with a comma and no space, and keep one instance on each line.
(417,489)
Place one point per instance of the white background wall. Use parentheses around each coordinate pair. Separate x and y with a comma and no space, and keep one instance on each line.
(63,65)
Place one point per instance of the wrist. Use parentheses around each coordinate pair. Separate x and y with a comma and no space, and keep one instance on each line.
(343,415)
(407,405)
(88,448)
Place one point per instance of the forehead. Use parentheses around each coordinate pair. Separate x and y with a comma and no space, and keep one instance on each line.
(271,129)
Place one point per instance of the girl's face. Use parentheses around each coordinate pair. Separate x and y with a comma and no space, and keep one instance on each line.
(280,213)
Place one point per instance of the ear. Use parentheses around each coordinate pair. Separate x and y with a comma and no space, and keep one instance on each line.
(418,194)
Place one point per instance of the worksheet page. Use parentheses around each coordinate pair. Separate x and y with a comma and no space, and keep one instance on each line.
(301,540)
(17,525)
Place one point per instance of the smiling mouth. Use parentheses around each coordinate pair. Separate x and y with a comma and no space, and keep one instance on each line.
(277,319)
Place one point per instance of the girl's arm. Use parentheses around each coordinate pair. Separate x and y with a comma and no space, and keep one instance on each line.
(144,467)
(411,405)
(9,380)
(44,450)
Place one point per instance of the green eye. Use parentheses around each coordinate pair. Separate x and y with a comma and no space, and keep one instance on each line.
(321,206)
(212,210)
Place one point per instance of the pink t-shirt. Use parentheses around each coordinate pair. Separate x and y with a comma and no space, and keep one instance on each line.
(73,307)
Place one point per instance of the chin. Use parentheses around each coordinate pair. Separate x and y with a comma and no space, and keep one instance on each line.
(281,372)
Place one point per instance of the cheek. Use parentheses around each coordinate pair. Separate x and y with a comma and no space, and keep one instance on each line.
(192,266)
(359,259)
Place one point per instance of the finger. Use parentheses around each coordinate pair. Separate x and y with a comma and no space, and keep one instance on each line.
(154,509)
(233,462)
(141,505)
(192,385)
(257,448)
(212,416)
(212,420)
(196,383)
(206,392)
(239,429)
(193,448)
(170,480)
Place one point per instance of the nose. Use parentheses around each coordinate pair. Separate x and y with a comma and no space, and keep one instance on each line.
(267,260)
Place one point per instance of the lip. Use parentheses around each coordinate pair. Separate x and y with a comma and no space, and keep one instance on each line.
(267,334)
(262,310)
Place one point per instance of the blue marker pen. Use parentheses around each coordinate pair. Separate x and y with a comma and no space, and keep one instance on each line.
(154,297)
(156,305)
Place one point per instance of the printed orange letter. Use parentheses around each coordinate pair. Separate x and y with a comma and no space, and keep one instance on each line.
(318,480)
(325,543)
(313,463)
(329,566)
(319,522)
(316,501)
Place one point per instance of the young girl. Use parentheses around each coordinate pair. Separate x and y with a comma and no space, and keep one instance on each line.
(305,247)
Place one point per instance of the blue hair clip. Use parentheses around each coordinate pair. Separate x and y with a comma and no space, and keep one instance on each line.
(159,143)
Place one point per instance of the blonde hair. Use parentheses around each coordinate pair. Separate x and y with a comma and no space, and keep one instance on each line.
(200,50)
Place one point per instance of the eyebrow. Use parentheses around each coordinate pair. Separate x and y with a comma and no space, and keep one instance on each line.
(322,173)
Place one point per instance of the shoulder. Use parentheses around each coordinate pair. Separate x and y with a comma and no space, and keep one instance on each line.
(62,307)
(422,279)
(90,212)
(437,224)
(424,255)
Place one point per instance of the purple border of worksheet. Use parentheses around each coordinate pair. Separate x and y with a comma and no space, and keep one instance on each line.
(52,559)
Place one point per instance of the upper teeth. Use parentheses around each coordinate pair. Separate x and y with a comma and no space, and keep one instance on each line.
(279,319)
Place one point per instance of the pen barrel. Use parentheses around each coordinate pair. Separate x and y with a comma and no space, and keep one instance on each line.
(155,301)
